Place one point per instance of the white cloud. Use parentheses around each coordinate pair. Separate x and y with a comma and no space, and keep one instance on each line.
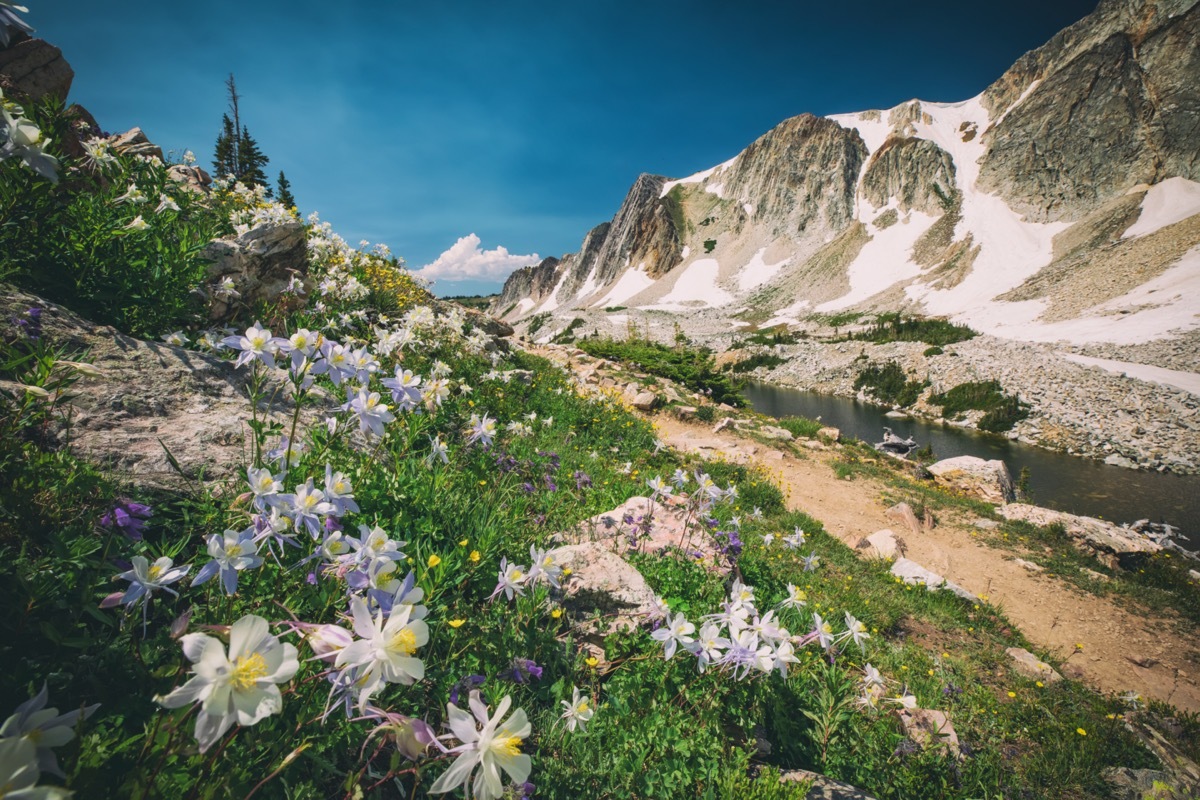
(466,261)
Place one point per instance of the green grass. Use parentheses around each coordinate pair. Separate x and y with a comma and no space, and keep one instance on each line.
(802,427)
(690,366)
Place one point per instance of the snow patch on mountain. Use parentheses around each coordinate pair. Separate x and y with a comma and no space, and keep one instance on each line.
(1166,203)
(696,284)
(634,281)
(757,271)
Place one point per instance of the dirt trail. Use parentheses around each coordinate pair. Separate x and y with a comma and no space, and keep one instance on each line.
(1051,613)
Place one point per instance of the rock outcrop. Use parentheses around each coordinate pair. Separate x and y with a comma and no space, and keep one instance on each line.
(32,69)
(151,399)
(987,480)
(971,209)
(262,262)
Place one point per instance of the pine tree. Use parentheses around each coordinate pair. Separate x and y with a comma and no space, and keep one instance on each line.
(225,157)
(237,153)
(251,161)
(283,192)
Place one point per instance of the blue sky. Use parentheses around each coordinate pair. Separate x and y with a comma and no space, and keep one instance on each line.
(490,132)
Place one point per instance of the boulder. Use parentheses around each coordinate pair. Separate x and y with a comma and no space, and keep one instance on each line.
(685,412)
(1029,565)
(1031,666)
(824,788)
(32,69)
(601,581)
(193,178)
(1087,533)
(645,401)
(914,574)
(987,480)
(1143,784)
(152,398)
(830,433)
(775,432)
(669,525)
(882,544)
(930,729)
(134,142)
(262,263)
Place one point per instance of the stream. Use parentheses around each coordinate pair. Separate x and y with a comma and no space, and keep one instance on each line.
(1056,480)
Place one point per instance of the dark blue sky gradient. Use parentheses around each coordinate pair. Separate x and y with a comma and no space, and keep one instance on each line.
(415,123)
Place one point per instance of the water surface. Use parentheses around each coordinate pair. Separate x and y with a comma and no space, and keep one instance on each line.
(1056,480)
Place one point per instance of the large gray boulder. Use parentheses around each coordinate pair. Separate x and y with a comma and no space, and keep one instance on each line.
(262,263)
(1087,533)
(987,480)
(150,399)
(602,582)
(33,69)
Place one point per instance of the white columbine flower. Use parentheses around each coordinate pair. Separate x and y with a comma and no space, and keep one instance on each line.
(44,728)
(577,711)
(512,576)
(19,772)
(384,651)
(856,631)
(239,687)
(371,413)
(796,598)
(138,224)
(165,203)
(437,451)
(256,344)
(677,631)
(177,338)
(146,578)
(495,745)
(231,553)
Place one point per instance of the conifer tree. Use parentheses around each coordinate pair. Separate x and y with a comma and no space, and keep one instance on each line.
(237,153)
(225,156)
(283,192)
(251,160)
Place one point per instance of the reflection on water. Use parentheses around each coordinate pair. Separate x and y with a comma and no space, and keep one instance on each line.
(1056,480)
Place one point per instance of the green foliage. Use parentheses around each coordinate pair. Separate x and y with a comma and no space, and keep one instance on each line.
(751,363)
(611,309)
(690,366)
(236,152)
(897,328)
(889,384)
(73,242)
(706,413)
(283,192)
(932,351)
(768,338)
(479,302)
(1002,410)
(537,322)
(567,334)
(674,204)
(802,427)
(709,245)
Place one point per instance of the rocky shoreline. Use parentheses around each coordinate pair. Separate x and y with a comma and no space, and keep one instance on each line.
(1076,409)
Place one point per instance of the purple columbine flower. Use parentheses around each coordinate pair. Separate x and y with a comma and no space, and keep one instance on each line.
(522,670)
(582,480)
(30,323)
(128,517)
(466,684)
(528,487)
(550,485)
(527,789)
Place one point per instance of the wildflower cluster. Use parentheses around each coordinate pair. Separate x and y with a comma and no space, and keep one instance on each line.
(21,138)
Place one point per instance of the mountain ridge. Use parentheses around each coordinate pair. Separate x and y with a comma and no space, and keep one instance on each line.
(936,208)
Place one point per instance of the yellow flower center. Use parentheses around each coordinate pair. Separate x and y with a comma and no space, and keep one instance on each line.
(154,572)
(517,575)
(582,708)
(404,642)
(258,341)
(267,483)
(509,746)
(233,550)
(247,671)
(339,487)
